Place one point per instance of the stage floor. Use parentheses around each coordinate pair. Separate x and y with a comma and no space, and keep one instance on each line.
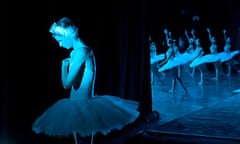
(210,109)
(178,104)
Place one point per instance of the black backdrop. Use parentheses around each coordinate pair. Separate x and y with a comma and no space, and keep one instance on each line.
(117,31)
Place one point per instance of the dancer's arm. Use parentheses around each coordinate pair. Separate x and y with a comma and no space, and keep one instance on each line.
(187,36)
(224,34)
(193,34)
(165,31)
(209,34)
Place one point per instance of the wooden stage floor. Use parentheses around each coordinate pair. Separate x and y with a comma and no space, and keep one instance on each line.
(211,110)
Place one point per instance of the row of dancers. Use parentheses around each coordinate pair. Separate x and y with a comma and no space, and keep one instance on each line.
(193,57)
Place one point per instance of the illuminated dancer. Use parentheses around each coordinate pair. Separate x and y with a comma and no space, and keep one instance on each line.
(171,54)
(154,61)
(177,53)
(214,51)
(191,41)
(191,48)
(83,113)
(154,57)
(200,61)
(227,55)
(179,59)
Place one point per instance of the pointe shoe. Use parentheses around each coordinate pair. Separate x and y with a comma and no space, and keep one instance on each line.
(171,91)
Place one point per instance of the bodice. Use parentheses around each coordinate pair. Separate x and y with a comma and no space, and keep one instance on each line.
(213,49)
(227,48)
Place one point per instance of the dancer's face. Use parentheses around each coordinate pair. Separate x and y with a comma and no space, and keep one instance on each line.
(64,36)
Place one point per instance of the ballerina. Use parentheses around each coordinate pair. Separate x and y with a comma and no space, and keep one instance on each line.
(154,60)
(214,58)
(154,57)
(190,49)
(178,59)
(200,62)
(169,64)
(83,113)
(227,54)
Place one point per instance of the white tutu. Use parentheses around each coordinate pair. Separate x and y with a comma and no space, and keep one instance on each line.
(99,114)
(157,58)
(227,56)
(209,58)
(180,59)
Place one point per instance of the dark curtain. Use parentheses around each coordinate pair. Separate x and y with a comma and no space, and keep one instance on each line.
(133,53)
(4,83)
(121,48)
(120,43)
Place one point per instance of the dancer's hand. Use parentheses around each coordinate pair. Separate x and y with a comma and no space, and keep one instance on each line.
(208,30)
(66,61)
(165,31)
(224,31)
(193,31)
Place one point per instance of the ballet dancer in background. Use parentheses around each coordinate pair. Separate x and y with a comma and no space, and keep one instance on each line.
(214,50)
(190,49)
(191,41)
(199,62)
(227,55)
(177,54)
(170,55)
(154,61)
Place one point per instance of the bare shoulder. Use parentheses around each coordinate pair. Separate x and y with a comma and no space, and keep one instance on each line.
(80,52)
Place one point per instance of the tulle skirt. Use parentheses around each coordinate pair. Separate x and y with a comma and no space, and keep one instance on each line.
(227,56)
(180,59)
(99,114)
(209,58)
(157,58)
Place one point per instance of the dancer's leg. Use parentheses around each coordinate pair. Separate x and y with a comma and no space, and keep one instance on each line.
(193,72)
(92,138)
(221,72)
(178,77)
(232,65)
(181,83)
(179,71)
(173,85)
(216,66)
(228,69)
(205,71)
(201,75)
(174,73)
(75,137)
(151,77)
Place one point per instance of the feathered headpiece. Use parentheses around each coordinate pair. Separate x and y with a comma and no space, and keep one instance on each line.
(56,29)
